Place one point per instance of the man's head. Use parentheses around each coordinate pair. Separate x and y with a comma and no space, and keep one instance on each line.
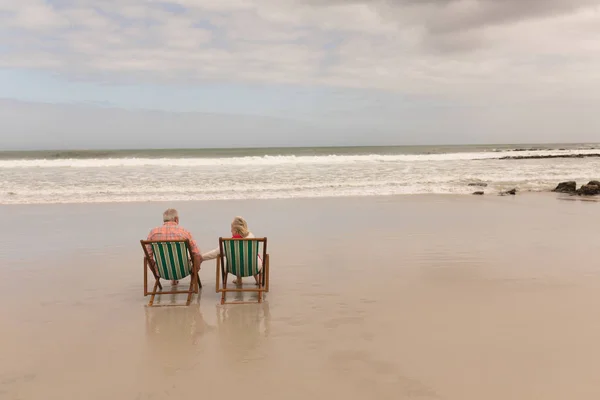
(171,216)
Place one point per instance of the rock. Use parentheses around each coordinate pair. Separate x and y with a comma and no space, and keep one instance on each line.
(539,156)
(589,190)
(479,193)
(511,192)
(480,184)
(595,183)
(566,187)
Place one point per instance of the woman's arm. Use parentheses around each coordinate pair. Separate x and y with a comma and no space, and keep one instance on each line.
(211,254)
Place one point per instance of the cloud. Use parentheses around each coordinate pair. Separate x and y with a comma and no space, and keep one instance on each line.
(443,48)
(447,16)
(35,16)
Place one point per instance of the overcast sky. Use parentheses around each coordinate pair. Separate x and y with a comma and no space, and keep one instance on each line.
(228,73)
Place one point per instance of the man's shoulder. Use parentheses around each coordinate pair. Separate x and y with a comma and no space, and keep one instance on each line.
(156,229)
(169,232)
(183,230)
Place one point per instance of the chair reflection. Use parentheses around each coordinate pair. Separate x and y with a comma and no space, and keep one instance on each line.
(176,324)
(242,328)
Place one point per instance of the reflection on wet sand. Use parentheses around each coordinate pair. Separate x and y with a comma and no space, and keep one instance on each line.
(180,324)
(174,336)
(243,327)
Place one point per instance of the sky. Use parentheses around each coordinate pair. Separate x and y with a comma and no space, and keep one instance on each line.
(79,74)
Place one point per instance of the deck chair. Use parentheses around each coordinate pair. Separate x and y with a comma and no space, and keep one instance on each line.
(239,257)
(171,260)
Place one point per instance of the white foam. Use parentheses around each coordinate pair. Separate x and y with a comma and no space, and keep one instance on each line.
(272,160)
(57,181)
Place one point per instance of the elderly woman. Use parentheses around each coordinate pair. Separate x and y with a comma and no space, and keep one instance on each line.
(239,230)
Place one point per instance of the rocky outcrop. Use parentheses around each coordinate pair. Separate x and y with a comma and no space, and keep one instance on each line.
(478,193)
(566,187)
(539,156)
(480,184)
(591,189)
(531,149)
(510,192)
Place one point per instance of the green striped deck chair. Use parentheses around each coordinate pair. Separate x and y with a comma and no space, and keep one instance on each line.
(243,258)
(170,260)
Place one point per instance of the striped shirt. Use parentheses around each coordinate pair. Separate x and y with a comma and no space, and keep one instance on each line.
(172,231)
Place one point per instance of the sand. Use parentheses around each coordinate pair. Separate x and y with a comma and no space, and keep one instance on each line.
(415,297)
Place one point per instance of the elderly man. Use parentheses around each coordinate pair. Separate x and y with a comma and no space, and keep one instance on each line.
(170,230)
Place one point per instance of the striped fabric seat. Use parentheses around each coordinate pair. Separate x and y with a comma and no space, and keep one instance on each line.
(241,257)
(172,260)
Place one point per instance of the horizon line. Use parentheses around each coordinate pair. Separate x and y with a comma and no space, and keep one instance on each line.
(296,147)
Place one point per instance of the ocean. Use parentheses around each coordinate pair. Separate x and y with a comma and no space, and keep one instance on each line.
(44,177)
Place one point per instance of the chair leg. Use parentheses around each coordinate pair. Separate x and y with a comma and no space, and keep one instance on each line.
(267,273)
(156,284)
(263,274)
(191,291)
(217,278)
(223,290)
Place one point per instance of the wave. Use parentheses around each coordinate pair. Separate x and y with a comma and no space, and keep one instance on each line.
(275,160)
(176,191)
(295,193)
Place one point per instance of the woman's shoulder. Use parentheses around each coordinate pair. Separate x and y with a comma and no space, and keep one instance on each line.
(250,235)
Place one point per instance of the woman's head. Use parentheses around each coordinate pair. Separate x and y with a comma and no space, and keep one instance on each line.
(239,227)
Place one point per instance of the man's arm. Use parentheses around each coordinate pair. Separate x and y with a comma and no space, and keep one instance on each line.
(196,255)
(148,247)
(197,260)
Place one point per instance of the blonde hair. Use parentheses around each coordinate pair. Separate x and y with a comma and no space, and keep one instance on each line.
(240,226)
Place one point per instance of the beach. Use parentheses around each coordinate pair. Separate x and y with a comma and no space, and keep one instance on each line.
(391,297)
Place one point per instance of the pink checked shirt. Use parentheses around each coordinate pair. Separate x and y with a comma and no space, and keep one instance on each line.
(172,231)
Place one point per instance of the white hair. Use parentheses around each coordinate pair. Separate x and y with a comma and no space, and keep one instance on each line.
(170,215)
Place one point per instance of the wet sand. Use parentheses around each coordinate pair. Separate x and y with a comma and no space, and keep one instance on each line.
(432,297)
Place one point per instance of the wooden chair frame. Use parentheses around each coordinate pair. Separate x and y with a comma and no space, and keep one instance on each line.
(149,264)
(222,273)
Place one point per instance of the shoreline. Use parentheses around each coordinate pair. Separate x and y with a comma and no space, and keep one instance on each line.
(319,198)
(559,196)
